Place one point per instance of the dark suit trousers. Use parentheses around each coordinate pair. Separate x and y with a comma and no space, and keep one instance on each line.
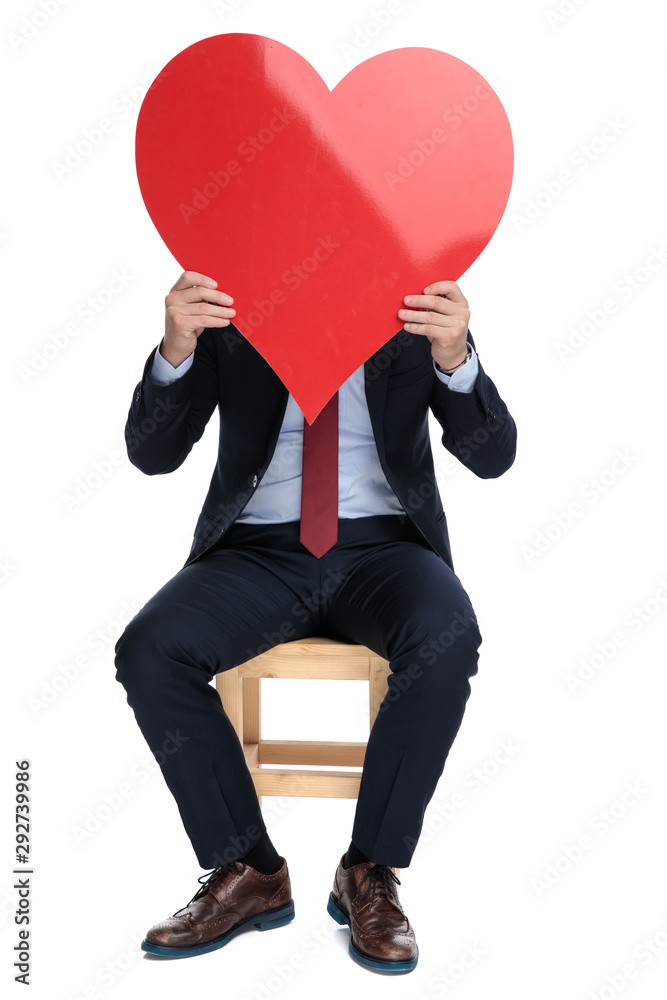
(381,586)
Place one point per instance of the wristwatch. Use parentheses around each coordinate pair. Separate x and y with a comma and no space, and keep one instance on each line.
(465,361)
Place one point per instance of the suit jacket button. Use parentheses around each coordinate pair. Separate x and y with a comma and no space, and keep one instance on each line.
(254,482)
(492,413)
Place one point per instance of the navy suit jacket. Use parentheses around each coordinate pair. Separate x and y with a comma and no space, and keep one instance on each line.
(401,386)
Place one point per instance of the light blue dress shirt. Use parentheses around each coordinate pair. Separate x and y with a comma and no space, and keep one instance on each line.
(363,489)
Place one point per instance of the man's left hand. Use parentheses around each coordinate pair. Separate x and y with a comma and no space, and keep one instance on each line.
(445,321)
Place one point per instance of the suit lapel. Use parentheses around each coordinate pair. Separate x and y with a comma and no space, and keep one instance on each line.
(376,376)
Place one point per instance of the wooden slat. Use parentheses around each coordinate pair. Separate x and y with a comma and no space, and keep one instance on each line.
(378,673)
(251,751)
(312,752)
(312,658)
(252,710)
(318,646)
(321,784)
(353,668)
(228,685)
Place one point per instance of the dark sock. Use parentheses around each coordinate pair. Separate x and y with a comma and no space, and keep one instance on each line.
(354,856)
(263,857)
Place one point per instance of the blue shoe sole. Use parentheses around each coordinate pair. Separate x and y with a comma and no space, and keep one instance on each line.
(261,921)
(334,910)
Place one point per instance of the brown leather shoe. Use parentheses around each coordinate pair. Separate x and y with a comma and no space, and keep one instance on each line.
(232,898)
(381,937)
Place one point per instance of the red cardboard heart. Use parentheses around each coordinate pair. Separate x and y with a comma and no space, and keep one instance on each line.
(316,210)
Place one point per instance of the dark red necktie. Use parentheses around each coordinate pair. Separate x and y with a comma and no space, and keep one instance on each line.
(319,481)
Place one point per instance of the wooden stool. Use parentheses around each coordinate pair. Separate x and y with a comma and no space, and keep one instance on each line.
(312,659)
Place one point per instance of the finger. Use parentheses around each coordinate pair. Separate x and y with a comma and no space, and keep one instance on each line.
(207,321)
(426,316)
(448,288)
(424,330)
(447,336)
(189,278)
(434,303)
(431,330)
(203,309)
(199,322)
(199,293)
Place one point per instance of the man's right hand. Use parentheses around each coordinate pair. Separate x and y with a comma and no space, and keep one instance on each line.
(193,304)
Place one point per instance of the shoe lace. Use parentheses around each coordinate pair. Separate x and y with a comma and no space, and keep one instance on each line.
(217,875)
(381,881)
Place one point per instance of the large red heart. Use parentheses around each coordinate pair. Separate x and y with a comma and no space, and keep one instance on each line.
(316,210)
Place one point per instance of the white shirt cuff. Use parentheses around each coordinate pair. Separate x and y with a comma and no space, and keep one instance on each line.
(162,373)
(463,379)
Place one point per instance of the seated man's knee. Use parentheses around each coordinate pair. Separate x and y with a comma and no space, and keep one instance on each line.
(453,639)
(134,646)
(147,648)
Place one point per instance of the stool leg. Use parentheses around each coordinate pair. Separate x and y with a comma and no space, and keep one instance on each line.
(252,713)
(237,694)
(378,672)
(228,684)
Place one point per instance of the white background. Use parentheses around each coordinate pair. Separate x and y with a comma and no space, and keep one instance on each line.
(479,881)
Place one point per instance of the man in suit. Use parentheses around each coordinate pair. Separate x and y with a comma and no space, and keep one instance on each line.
(285,548)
